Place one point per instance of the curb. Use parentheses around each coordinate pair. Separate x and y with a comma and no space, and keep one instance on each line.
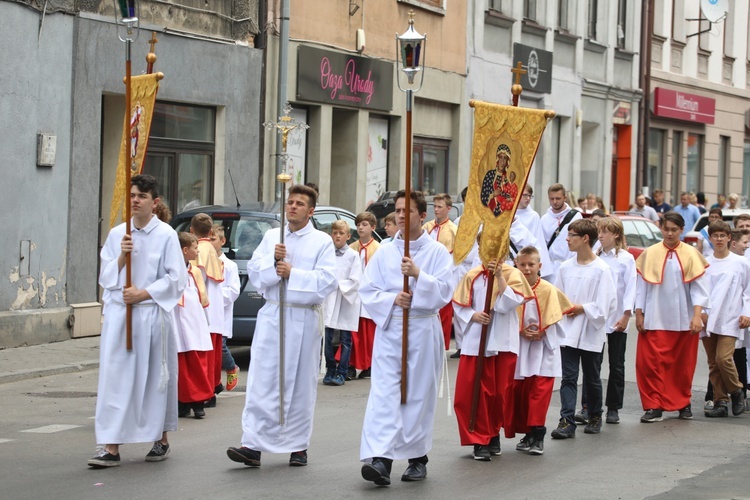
(16,376)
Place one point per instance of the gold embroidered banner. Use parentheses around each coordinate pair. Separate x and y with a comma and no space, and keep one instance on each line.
(135,131)
(505,142)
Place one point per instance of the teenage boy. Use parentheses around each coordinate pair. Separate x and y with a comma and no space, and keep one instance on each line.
(304,269)
(670,294)
(213,274)
(704,242)
(364,336)
(391,430)
(230,289)
(555,223)
(194,345)
(538,356)
(341,308)
(389,224)
(510,290)
(587,281)
(443,230)
(742,223)
(137,395)
(728,283)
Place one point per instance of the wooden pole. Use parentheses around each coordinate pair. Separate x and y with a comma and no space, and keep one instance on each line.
(407,209)
(480,354)
(128,215)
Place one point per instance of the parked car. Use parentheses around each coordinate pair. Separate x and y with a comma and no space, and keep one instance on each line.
(640,233)
(244,228)
(727,215)
(385,205)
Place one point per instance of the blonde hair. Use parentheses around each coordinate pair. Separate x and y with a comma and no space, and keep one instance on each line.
(218,231)
(186,239)
(614,226)
(340,225)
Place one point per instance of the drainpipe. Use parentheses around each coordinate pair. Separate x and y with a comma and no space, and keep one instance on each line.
(281,97)
(647,21)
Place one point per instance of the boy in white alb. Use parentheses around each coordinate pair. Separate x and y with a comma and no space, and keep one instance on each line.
(728,283)
(587,281)
(341,308)
(230,290)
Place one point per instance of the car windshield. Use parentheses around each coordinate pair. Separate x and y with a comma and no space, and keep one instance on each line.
(641,233)
(243,233)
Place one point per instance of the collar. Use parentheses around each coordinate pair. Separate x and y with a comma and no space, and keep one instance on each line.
(421,241)
(300,232)
(362,246)
(341,251)
(152,224)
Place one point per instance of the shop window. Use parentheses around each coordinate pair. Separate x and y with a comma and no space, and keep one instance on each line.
(694,163)
(429,168)
(723,173)
(655,172)
(181,154)
(676,166)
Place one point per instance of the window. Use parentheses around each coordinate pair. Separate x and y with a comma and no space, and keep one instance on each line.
(592,17)
(181,154)
(429,166)
(694,163)
(722,174)
(562,15)
(496,5)
(622,9)
(529,10)
(676,166)
(655,171)
(678,20)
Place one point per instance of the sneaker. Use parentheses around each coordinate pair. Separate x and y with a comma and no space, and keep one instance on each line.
(211,403)
(244,455)
(738,402)
(364,374)
(494,447)
(328,379)
(525,443)
(594,426)
(652,416)
(564,430)
(582,417)
(537,447)
(104,459)
(482,453)
(686,413)
(351,374)
(456,354)
(719,410)
(158,453)
(233,377)
(298,458)
(708,405)
(338,379)
(613,417)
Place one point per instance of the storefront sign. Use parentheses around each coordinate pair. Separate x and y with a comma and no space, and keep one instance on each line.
(683,106)
(336,78)
(538,66)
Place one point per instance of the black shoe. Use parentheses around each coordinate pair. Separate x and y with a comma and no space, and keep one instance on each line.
(415,472)
(582,417)
(719,410)
(456,354)
(481,452)
(564,430)
(244,455)
(158,452)
(652,416)
(613,417)
(377,471)
(537,447)
(525,443)
(594,426)
(494,447)
(183,409)
(364,374)
(198,410)
(298,458)
(211,403)
(738,402)
(686,413)
(104,459)
(351,374)
(219,389)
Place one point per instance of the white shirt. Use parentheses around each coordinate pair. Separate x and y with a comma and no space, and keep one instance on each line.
(647,213)
(341,308)
(230,289)
(728,283)
(624,275)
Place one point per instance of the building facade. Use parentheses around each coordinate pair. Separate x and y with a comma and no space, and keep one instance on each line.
(698,134)
(62,84)
(582,61)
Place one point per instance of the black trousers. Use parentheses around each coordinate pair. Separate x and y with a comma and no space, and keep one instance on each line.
(616,343)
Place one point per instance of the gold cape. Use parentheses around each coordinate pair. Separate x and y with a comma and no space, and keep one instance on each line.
(209,261)
(369,248)
(199,284)
(650,264)
(514,278)
(552,304)
(446,232)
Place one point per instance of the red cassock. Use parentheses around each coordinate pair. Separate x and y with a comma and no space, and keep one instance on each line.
(664,368)
(214,361)
(528,404)
(193,383)
(362,342)
(446,321)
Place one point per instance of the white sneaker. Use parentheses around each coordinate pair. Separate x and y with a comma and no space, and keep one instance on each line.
(708,406)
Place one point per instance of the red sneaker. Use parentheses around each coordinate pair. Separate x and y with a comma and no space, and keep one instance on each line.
(233,376)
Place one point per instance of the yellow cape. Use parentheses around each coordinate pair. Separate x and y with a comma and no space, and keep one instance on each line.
(514,278)
(650,264)
(369,248)
(446,233)
(199,284)
(551,303)
(209,261)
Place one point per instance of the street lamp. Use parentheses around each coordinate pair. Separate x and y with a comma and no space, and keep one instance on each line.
(410,52)
(126,14)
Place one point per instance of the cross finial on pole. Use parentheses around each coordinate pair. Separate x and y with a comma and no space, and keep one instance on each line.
(153,41)
(518,71)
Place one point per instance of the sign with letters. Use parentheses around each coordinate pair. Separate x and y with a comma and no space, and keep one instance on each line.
(683,106)
(538,66)
(343,79)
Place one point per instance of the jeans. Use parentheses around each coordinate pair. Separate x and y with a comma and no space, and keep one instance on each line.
(227,361)
(330,352)
(591,364)
(616,343)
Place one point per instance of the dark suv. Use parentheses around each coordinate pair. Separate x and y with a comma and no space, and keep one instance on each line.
(244,228)
(385,205)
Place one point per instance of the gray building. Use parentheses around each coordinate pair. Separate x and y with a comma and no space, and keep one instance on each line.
(62,81)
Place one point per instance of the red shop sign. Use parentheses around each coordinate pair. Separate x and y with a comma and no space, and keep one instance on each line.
(683,106)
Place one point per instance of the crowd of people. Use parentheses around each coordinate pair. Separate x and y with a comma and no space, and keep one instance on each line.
(567,290)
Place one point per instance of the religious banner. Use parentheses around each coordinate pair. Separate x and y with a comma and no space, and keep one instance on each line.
(505,143)
(135,132)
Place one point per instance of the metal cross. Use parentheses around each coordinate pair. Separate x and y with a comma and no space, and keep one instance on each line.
(518,71)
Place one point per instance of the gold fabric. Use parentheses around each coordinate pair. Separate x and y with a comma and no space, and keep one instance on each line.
(446,232)
(513,277)
(199,284)
(650,264)
(551,303)
(520,131)
(135,132)
(369,249)
(209,261)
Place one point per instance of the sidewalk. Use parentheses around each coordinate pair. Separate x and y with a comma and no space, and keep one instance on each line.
(75,355)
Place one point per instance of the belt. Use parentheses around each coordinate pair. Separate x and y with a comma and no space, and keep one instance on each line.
(315,307)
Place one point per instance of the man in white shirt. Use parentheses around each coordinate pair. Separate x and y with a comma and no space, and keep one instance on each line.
(643,210)
(555,227)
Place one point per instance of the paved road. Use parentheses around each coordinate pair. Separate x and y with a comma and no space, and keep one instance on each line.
(47,434)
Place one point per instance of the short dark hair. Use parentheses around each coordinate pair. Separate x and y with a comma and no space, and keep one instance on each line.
(366,217)
(715,211)
(674,218)
(737,234)
(416,196)
(313,186)
(307,191)
(739,218)
(529,189)
(186,239)
(719,227)
(585,227)
(146,184)
(701,196)
(202,224)
(556,187)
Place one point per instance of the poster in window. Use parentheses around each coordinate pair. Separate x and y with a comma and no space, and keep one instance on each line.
(377,158)
(296,148)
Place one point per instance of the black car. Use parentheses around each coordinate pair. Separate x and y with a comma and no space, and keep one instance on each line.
(385,205)
(244,228)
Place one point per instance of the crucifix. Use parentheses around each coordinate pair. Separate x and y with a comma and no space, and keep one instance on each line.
(516,89)
(151,57)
